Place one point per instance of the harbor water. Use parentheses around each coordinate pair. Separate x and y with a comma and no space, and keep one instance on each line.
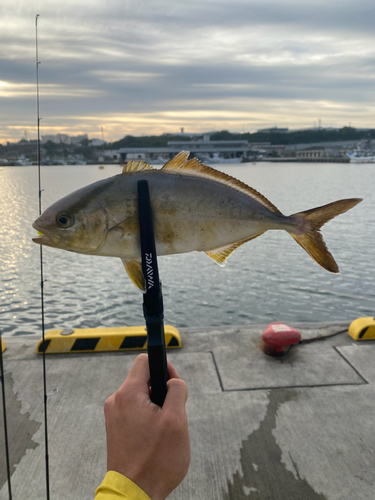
(268,279)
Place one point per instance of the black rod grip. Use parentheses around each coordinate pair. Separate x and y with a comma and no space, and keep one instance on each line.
(152,299)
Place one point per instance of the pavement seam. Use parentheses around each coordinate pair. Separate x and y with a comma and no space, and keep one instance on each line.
(365,382)
(351,366)
(217,371)
(343,384)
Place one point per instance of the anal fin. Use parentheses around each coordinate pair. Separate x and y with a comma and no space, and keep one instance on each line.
(220,255)
(134,270)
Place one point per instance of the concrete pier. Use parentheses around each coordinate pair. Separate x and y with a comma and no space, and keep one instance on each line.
(299,427)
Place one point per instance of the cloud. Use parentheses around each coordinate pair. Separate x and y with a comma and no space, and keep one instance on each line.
(26,90)
(144,66)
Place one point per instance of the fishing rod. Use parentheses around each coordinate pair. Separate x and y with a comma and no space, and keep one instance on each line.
(41,269)
(152,299)
(5,417)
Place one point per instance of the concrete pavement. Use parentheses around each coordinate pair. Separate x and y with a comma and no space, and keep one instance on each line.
(299,427)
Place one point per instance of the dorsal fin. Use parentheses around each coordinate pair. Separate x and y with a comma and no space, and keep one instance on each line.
(135,166)
(220,255)
(181,165)
(177,162)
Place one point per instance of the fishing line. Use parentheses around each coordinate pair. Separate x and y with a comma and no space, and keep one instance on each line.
(41,268)
(5,418)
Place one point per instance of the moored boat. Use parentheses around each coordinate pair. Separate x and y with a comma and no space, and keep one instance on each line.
(362,153)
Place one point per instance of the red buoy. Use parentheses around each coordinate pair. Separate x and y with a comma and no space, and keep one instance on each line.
(278,338)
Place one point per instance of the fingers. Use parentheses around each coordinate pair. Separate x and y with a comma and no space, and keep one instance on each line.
(140,374)
(177,394)
(140,369)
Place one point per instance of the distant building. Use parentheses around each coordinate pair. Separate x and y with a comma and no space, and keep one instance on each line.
(203,149)
(64,138)
(186,134)
(109,156)
(97,142)
(57,138)
(78,138)
(314,129)
(311,153)
(267,149)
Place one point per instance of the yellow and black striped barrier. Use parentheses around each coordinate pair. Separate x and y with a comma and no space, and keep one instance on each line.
(362,329)
(127,338)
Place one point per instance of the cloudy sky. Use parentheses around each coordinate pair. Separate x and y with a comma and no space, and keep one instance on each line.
(153,66)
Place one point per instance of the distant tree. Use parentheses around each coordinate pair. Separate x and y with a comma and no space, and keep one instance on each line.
(348,131)
(87,152)
(224,135)
(50,146)
(157,141)
(310,136)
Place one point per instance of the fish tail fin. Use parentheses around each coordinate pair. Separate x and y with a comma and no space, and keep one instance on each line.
(307,232)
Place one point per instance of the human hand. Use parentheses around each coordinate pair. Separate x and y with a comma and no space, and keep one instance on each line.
(148,444)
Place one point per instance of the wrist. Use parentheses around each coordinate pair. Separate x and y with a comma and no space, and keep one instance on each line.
(141,480)
(118,484)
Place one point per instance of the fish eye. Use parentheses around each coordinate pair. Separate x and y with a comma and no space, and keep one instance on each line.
(64,220)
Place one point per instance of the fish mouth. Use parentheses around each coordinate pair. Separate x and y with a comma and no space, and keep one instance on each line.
(43,238)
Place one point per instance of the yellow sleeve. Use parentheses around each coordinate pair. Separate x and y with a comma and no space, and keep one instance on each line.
(115,486)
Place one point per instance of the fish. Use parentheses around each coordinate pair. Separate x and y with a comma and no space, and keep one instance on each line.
(195,208)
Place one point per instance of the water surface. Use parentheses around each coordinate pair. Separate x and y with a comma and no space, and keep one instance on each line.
(268,279)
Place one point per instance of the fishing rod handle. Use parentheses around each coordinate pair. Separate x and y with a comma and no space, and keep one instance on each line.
(157,360)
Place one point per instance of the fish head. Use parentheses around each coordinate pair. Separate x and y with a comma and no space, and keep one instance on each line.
(75,223)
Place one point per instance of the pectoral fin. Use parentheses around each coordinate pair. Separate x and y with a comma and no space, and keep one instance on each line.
(127,227)
(220,255)
(134,270)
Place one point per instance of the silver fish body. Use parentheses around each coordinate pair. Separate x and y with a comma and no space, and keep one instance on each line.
(194,208)
(189,214)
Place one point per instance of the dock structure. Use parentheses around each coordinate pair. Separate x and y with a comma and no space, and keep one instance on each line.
(290,428)
(201,148)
